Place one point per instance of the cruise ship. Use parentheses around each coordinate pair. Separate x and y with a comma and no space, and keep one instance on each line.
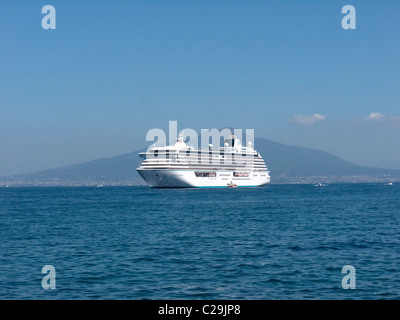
(182,166)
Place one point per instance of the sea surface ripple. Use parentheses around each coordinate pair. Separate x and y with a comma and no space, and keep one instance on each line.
(275,242)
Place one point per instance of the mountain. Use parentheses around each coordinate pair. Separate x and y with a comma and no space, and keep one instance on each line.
(287,164)
(298,164)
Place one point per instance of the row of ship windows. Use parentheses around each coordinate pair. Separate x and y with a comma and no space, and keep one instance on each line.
(205,164)
(209,166)
(167,154)
(213,174)
(203,160)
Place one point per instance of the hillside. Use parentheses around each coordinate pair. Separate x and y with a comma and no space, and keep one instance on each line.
(287,164)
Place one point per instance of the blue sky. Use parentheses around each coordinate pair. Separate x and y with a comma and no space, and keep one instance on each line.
(112,70)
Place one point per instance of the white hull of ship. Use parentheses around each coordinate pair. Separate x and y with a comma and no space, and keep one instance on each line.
(165,178)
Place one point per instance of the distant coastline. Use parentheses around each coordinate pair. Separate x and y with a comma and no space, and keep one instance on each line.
(15,182)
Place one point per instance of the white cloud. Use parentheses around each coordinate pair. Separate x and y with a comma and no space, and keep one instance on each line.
(375,116)
(307,120)
(380,118)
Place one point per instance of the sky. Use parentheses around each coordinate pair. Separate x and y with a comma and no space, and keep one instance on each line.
(113,70)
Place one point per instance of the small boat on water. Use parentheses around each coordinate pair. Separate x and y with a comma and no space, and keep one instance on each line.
(232,185)
(320,185)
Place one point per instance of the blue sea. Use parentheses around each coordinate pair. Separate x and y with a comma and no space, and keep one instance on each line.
(274,242)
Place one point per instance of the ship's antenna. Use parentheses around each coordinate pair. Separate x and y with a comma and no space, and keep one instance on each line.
(181,134)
